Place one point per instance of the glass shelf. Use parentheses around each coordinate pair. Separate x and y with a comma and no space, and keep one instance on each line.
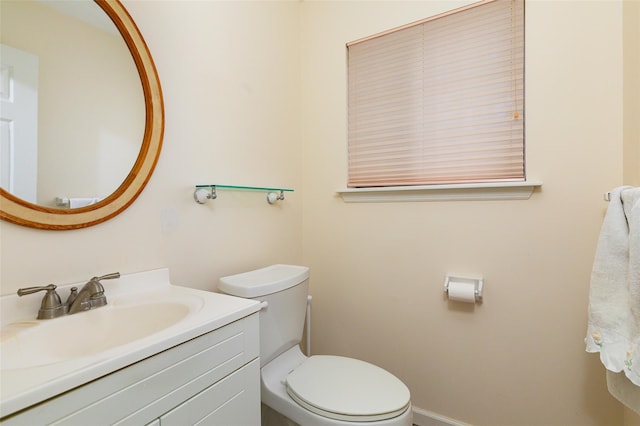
(246,188)
(204,193)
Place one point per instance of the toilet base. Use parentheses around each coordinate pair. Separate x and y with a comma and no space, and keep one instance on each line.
(275,396)
(271,417)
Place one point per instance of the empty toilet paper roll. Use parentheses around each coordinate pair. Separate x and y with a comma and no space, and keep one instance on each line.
(462,292)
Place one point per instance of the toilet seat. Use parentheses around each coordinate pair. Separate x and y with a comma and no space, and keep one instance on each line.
(347,389)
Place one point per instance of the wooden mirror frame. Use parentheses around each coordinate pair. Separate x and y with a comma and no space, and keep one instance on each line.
(18,211)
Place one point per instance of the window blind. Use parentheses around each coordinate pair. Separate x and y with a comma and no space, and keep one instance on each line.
(440,100)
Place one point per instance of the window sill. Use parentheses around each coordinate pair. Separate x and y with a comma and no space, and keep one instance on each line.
(452,192)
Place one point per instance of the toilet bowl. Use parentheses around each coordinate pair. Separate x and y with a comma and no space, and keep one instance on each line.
(320,390)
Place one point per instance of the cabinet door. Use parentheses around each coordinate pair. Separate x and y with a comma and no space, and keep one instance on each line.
(233,401)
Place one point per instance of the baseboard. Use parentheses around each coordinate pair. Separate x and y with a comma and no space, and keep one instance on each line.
(428,418)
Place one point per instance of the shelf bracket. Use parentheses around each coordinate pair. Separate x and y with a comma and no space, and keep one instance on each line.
(203,194)
(273,196)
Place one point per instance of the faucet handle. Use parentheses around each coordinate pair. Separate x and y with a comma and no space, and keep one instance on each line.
(107,277)
(29,290)
(51,306)
(97,297)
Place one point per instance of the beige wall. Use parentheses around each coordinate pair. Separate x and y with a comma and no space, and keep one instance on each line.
(229,73)
(377,270)
(631,31)
(241,79)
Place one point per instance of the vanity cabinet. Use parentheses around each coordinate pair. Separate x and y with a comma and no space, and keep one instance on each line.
(213,379)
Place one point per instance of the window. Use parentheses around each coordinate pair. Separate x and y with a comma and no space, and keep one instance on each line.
(439,101)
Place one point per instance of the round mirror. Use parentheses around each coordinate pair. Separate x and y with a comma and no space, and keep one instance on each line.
(112,128)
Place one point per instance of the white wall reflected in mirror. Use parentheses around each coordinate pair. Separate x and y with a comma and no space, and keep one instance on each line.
(90,104)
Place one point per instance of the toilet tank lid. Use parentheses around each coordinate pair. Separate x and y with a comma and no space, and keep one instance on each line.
(263,281)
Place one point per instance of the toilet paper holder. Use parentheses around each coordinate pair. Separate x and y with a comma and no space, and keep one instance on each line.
(475,281)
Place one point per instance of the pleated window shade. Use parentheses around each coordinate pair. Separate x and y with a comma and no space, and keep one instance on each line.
(439,101)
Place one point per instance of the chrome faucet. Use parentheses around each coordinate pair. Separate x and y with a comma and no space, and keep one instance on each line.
(89,297)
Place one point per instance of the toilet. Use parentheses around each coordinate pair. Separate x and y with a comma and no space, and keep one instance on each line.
(321,389)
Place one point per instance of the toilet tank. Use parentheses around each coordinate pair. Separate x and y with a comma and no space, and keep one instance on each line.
(284,288)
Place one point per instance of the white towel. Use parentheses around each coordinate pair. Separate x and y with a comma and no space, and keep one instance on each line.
(614,299)
(623,390)
(74,203)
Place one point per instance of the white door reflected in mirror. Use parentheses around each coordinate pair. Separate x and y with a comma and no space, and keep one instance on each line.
(19,122)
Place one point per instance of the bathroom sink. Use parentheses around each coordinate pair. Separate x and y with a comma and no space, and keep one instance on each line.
(145,315)
(36,343)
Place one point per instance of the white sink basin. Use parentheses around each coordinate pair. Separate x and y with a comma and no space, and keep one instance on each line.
(145,314)
(37,343)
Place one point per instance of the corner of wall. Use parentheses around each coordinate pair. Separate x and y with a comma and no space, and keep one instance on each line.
(631,85)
